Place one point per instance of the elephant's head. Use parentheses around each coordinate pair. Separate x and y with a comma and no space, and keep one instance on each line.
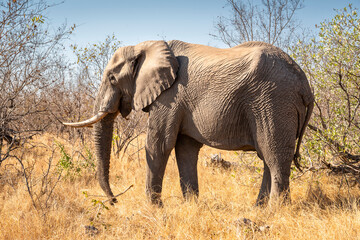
(134,77)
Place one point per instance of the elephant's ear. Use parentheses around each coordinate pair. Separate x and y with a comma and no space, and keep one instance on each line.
(155,72)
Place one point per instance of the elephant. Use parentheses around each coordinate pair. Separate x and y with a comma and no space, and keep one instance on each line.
(251,97)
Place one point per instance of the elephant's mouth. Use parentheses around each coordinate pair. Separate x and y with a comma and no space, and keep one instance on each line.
(89,122)
(124,108)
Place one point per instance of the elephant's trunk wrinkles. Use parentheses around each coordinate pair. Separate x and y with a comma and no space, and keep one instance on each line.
(103,137)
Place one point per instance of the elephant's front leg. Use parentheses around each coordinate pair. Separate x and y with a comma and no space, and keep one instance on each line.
(156,163)
(158,147)
(187,150)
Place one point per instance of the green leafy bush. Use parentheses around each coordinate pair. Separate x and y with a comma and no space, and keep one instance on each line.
(77,163)
(332,64)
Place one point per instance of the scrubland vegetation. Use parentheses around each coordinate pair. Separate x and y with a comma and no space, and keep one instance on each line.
(68,200)
(48,185)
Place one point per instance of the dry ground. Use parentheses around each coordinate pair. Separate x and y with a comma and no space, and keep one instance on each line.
(322,207)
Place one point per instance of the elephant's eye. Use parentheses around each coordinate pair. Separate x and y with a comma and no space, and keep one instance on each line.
(112,79)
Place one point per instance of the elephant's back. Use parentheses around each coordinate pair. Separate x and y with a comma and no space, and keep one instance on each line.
(210,73)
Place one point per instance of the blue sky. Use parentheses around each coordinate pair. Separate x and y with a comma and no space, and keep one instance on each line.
(134,21)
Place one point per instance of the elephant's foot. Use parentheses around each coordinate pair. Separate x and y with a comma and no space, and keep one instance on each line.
(158,203)
(278,195)
(191,195)
(155,199)
(279,198)
(262,200)
(280,187)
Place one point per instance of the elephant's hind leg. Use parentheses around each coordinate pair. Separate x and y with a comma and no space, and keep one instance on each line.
(279,162)
(277,146)
(187,150)
(264,193)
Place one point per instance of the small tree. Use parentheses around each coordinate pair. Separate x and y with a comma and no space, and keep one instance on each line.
(271,21)
(31,66)
(332,65)
(92,60)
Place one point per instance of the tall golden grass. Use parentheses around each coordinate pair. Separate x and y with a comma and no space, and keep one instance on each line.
(322,206)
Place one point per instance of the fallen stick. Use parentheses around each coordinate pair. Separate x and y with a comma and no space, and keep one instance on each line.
(119,193)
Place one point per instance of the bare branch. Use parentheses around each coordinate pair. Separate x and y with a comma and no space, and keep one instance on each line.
(272,21)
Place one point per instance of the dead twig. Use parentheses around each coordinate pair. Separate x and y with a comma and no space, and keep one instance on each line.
(119,193)
(343,168)
(217,161)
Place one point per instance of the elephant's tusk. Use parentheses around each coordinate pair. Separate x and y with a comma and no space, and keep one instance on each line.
(89,121)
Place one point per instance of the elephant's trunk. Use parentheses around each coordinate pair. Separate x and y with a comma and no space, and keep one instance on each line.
(103,131)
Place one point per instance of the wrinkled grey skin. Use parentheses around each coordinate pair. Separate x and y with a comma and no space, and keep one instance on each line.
(252,97)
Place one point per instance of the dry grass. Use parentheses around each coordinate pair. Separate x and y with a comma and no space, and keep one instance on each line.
(320,208)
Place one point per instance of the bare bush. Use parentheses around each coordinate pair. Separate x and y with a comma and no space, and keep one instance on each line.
(31,67)
(30,64)
(271,21)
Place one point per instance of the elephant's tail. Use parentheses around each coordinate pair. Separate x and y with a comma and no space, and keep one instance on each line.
(309,110)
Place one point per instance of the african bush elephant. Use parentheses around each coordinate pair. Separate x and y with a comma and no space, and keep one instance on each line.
(251,97)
